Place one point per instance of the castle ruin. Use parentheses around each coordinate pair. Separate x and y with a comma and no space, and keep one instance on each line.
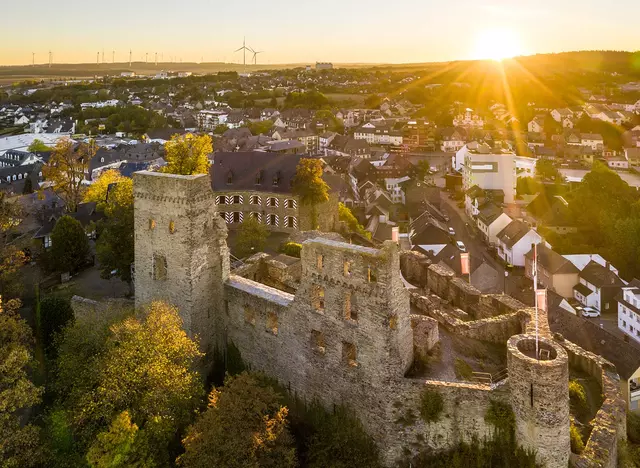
(353,332)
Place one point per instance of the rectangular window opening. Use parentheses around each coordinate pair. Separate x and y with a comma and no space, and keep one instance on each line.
(318,298)
(272,322)
(317,341)
(319,261)
(349,354)
(347,268)
(249,315)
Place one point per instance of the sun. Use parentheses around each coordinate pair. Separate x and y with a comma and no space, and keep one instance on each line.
(497,44)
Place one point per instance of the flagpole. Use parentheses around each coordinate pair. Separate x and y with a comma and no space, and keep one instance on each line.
(535,290)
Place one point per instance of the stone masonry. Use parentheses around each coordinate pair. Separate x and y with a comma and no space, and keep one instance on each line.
(347,335)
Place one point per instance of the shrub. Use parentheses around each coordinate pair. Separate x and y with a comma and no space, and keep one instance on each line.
(633,427)
(462,369)
(578,396)
(291,248)
(500,416)
(55,313)
(577,445)
(431,405)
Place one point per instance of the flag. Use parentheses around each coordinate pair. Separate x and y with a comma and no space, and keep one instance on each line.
(464,263)
(541,299)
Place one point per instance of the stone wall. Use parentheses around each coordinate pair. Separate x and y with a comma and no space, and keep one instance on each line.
(425,334)
(88,308)
(414,267)
(610,424)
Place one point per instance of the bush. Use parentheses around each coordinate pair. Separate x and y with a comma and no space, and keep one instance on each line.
(69,245)
(462,369)
(578,396)
(55,314)
(577,445)
(431,405)
(633,427)
(500,416)
(292,249)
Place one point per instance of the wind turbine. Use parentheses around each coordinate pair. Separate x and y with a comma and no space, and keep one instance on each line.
(255,56)
(244,49)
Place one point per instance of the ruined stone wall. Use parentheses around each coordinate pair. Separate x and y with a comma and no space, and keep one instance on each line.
(414,267)
(494,329)
(461,420)
(88,308)
(425,334)
(181,255)
(610,424)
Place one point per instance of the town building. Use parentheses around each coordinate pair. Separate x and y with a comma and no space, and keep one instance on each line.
(555,272)
(487,169)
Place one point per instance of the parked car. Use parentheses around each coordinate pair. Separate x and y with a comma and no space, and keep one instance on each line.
(461,246)
(452,231)
(590,312)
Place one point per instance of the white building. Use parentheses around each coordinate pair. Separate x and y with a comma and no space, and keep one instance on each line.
(379,133)
(100,104)
(488,170)
(515,240)
(629,310)
(395,189)
(208,120)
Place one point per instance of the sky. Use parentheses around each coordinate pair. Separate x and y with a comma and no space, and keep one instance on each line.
(302,31)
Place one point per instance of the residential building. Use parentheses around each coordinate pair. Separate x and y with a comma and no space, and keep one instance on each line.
(324,66)
(208,120)
(468,119)
(536,125)
(598,287)
(259,184)
(560,114)
(453,139)
(592,140)
(629,311)
(515,240)
(555,272)
(379,133)
(491,220)
(487,169)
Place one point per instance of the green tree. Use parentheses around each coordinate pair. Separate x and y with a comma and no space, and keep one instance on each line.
(220,129)
(143,365)
(346,216)
(12,257)
(55,312)
(245,426)
(188,154)
(251,237)
(110,191)
(19,443)
(28,186)
(69,245)
(546,170)
(528,186)
(66,170)
(37,146)
(260,128)
(115,448)
(310,187)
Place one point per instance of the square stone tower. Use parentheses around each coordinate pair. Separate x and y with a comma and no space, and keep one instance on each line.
(181,254)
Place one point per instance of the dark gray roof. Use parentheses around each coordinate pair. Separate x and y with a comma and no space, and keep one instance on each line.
(245,169)
(489,213)
(552,261)
(513,232)
(600,276)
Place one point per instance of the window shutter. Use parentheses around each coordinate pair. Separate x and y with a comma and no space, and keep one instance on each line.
(228,217)
(241,215)
(277,204)
(295,221)
(218,199)
(277,223)
(241,200)
(295,205)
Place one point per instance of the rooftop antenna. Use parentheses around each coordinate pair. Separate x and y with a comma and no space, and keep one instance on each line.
(244,49)
(130,52)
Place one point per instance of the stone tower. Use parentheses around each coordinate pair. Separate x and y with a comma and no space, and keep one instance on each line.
(540,397)
(181,253)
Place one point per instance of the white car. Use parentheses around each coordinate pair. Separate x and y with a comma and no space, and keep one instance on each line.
(452,231)
(461,246)
(590,312)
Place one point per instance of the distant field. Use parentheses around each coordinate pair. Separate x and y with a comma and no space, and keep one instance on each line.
(333,97)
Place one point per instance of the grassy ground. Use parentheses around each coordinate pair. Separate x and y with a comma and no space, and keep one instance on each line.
(585,415)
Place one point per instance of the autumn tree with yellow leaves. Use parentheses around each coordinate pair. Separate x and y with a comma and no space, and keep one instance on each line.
(188,154)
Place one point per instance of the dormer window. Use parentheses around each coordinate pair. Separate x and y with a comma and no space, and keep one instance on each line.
(229,178)
(276,179)
(259,177)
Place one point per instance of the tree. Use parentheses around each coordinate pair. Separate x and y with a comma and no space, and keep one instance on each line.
(187,154)
(69,245)
(346,216)
(546,170)
(142,365)
(115,448)
(310,187)
(38,146)
(220,129)
(527,186)
(373,101)
(12,257)
(28,186)
(110,191)
(245,426)
(260,128)
(66,170)
(252,236)
(55,312)
(19,443)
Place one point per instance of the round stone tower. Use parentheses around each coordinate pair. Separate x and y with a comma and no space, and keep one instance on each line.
(540,397)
